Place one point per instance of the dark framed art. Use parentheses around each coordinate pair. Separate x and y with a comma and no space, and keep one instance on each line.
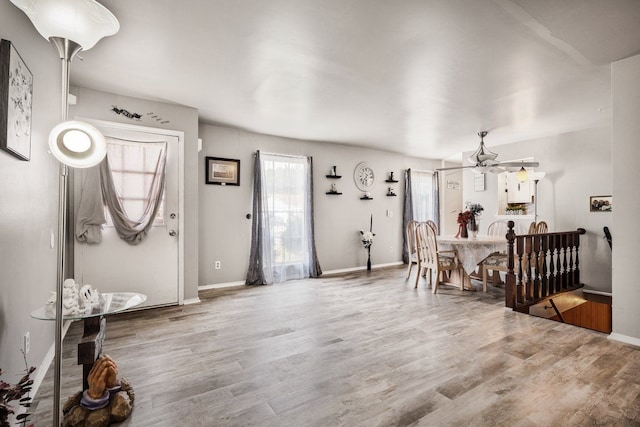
(16,89)
(221,171)
(600,203)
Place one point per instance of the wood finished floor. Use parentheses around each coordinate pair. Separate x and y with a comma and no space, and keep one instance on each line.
(360,349)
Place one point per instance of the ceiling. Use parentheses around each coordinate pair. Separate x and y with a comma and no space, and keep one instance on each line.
(419,77)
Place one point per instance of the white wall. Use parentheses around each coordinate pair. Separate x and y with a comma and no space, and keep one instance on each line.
(626,152)
(577,165)
(225,232)
(97,105)
(28,206)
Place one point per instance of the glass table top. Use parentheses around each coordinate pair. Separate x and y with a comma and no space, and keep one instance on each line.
(108,303)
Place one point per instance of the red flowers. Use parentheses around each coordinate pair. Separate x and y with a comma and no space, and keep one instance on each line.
(464,217)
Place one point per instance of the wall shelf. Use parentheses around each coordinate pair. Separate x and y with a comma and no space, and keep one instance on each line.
(335,193)
(366,198)
(391,180)
(391,195)
(334,176)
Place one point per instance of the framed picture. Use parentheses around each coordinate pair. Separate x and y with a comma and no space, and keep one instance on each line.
(222,171)
(600,203)
(16,91)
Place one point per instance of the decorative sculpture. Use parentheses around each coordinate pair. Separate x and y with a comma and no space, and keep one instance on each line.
(106,401)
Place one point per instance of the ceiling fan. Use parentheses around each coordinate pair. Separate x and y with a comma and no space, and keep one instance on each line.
(483,160)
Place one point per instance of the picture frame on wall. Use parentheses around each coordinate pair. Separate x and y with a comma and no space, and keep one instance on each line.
(600,204)
(221,171)
(16,94)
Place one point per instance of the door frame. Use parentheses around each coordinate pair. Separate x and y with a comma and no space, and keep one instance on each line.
(163,132)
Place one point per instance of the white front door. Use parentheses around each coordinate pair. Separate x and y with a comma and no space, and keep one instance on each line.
(152,266)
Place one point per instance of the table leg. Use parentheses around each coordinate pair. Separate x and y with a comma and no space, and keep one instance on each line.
(90,346)
(461,276)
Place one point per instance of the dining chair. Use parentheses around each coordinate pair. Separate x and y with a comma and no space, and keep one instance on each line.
(498,228)
(496,262)
(541,228)
(532,228)
(433,225)
(434,261)
(412,248)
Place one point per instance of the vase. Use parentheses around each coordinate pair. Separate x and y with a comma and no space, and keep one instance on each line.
(472,227)
(463,231)
(369,259)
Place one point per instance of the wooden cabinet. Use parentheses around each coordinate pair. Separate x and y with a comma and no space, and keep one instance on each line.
(519,192)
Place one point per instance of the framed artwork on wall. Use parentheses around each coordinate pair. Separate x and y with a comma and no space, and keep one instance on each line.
(221,171)
(600,203)
(16,92)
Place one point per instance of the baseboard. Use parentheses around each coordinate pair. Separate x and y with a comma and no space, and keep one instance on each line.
(625,339)
(41,370)
(351,269)
(342,270)
(191,301)
(221,285)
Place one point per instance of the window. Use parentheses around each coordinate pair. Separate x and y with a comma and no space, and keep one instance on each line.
(422,195)
(285,183)
(133,165)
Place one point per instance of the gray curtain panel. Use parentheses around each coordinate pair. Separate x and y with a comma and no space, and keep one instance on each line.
(255,274)
(407,215)
(436,199)
(314,264)
(98,189)
(129,230)
(90,217)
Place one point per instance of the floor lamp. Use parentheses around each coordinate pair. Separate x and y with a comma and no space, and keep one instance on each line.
(536,177)
(71,26)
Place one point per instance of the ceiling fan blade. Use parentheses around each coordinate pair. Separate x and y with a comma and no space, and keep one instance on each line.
(519,164)
(454,168)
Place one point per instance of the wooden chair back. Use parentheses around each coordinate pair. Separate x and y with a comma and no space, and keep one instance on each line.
(541,228)
(498,228)
(433,225)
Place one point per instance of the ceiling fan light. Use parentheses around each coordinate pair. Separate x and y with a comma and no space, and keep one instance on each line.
(522,175)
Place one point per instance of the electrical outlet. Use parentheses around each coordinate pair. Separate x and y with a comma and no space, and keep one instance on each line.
(390,249)
(218,265)
(27,343)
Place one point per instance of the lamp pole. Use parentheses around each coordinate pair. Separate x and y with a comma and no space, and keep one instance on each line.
(67,49)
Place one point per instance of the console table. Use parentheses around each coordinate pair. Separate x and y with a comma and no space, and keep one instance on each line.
(90,346)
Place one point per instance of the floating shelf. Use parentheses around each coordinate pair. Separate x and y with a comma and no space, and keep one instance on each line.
(334,176)
(366,198)
(391,195)
(391,180)
(333,192)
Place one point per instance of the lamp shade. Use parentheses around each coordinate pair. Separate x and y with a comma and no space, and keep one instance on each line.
(77,144)
(82,21)
(522,175)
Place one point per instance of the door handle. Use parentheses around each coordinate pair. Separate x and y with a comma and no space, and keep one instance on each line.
(172,233)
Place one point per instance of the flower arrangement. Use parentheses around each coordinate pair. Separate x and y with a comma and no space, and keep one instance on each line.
(11,392)
(366,237)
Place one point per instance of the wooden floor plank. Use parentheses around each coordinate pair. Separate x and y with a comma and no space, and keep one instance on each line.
(359,349)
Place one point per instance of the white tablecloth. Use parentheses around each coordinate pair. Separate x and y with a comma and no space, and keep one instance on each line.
(472,251)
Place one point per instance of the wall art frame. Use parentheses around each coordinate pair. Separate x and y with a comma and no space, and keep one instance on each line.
(222,171)
(16,89)
(600,204)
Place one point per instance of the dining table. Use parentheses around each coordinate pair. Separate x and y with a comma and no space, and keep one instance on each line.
(471,252)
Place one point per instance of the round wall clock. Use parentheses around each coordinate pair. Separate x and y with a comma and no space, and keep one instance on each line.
(364,176)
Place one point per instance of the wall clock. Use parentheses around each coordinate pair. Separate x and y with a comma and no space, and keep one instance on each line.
(364,176)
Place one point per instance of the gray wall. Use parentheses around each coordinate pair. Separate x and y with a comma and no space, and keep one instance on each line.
(28,206)
(97,105)
(225,233)
(577,165)
(626,152)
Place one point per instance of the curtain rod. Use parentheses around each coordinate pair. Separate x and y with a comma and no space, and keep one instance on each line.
(283,155)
